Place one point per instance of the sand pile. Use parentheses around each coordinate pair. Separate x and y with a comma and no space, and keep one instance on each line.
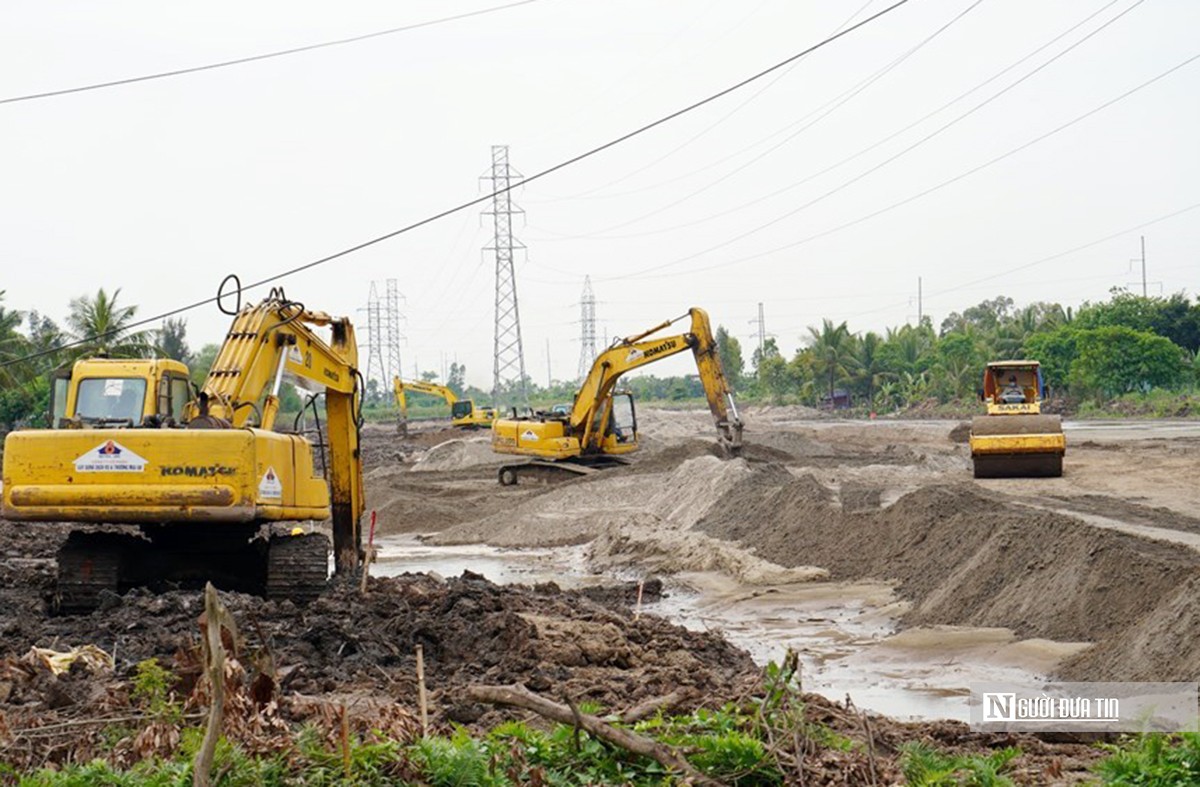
(660,536)
(458,454)
(635,519)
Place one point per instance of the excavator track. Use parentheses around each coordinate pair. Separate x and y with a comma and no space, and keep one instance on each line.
(89,564)
(541,471)
(297,567)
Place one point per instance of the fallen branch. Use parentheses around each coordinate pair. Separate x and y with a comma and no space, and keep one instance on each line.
(647,708)
(520,697)
(58,727)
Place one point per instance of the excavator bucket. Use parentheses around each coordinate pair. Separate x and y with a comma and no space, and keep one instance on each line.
(1017,446)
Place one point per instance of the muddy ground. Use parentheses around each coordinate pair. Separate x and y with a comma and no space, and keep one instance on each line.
(1105,557)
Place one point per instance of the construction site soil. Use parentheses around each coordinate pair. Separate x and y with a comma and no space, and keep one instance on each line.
(1106,555)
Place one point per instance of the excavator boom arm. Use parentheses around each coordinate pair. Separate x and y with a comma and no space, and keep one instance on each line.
(277,335)
(627,354)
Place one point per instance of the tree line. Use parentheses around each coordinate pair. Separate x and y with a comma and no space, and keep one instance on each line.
(1100,351)
(1097,352)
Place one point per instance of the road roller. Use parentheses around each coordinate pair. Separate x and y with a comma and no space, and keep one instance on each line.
(1014,439)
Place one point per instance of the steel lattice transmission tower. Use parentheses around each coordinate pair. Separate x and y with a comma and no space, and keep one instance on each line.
(508,364)
(392,317)
(587,328)
(375,368)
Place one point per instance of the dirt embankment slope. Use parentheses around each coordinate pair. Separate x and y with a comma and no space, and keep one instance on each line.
(965,556)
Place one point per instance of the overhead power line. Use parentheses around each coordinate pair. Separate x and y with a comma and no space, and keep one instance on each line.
(264,56)
(489,196)
(705,220)
(649,272)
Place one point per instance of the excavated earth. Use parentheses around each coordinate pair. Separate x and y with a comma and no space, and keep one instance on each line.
(1107,556)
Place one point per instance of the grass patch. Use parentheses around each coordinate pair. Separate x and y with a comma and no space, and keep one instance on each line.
(1153,760)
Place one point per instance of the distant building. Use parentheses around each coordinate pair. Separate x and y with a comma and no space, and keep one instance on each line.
(841,400)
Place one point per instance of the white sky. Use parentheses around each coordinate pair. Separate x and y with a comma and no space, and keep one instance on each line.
(162,188)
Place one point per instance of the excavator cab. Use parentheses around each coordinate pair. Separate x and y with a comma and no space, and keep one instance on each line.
(465,415)
(115,393)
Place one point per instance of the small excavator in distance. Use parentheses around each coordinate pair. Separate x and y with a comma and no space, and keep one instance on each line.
(174,490)
(600,429)
(1014,439)
(463,412)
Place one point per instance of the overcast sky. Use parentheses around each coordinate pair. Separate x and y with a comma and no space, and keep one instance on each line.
(162,188)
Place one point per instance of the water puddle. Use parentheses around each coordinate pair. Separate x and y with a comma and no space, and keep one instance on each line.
(845,632)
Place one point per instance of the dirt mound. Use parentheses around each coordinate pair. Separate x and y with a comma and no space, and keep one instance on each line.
(384,446)
(472,631)
(965,557)
(458,454)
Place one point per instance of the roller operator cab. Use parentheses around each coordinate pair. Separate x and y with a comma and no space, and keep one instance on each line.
(198,486)
(1014,439)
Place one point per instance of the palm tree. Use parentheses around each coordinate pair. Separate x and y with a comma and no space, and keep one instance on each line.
(869,365)
(101,327)
(833,352)
(12,344)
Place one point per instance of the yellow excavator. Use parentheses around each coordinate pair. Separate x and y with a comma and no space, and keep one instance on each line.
(463,412)
(600,428)
(1014,439)
(175,489)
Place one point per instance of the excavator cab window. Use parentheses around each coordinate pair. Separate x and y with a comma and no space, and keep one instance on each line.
(461,409)
(180,393)
(624,418)
(60,381)
(110,400)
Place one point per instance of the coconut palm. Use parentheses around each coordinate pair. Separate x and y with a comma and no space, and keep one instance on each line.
(833,352)
(870,369)
(101,327)
(12,344)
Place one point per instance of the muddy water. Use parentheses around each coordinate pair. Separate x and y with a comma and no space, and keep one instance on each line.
(846,633)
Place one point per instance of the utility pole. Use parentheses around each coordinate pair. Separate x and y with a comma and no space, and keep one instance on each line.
(1145,284)
(762,330)
(508,355)
(1143,266)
